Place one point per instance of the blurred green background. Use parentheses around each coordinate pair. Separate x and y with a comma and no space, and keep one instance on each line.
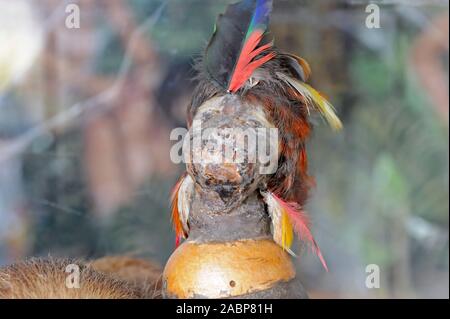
(85,117)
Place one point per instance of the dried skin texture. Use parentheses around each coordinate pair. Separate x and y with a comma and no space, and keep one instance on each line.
(248,220)
(226,147)
(142,274)
(228,269)
(46,279)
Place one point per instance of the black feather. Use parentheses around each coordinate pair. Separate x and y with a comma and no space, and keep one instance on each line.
(223,50)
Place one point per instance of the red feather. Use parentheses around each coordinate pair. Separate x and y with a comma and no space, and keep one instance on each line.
(245,66)
(176,222)
(301,223)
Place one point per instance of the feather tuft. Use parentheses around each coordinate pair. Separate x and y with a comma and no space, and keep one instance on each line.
(282,230)
(292,217)
(238,47)
(180,200)
(313,98)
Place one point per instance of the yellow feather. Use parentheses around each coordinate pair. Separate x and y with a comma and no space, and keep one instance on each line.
(283,231)
(315,99)
(287,232)
(325,108)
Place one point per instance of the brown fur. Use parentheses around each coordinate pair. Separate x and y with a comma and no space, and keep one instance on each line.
(142,274)
(113,278)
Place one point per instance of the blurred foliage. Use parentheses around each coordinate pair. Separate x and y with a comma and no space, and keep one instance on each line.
(60,199)
(184,28)
(66,223)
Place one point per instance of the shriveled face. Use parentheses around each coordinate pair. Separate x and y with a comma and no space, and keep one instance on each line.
(233,148)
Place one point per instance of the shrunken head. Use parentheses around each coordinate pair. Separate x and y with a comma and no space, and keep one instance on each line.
(231,148)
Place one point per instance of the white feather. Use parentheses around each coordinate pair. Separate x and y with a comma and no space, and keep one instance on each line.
(275,213)
(185,196)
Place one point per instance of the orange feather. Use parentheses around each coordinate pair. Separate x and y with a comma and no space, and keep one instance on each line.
(176,221)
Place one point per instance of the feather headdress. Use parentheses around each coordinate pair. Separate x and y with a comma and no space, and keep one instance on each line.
(237,47)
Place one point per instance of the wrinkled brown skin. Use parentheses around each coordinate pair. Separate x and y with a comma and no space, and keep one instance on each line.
(224,185)
(39,278)
(247,221)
